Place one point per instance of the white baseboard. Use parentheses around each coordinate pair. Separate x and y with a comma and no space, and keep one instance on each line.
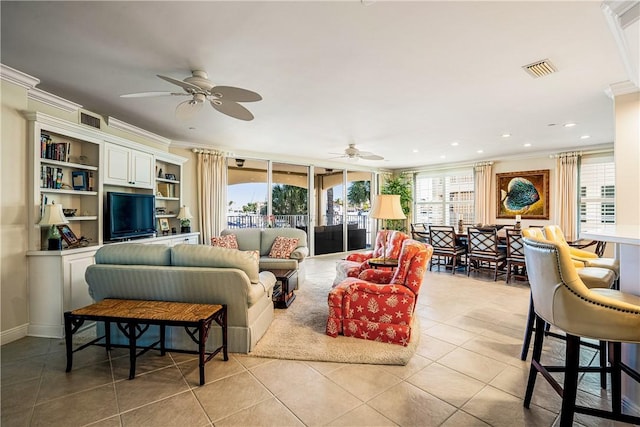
(45,331)
(13,334)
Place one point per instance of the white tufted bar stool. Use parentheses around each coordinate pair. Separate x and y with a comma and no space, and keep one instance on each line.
(592,277)
(561,299)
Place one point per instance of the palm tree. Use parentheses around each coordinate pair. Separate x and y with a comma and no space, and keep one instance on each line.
(289,200)
(358,193)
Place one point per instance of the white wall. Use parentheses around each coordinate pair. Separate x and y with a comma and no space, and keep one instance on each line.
(627,155)
(13,212)
(521,165)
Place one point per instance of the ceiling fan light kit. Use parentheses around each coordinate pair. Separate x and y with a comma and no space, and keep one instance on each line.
(222,98)
(353,153)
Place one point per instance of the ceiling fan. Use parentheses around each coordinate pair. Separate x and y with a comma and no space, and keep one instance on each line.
(351,152)
(225,99)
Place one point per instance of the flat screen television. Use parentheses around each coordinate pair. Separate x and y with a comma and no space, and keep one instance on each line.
(129,215)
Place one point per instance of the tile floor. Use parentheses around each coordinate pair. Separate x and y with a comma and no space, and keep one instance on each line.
(466,372)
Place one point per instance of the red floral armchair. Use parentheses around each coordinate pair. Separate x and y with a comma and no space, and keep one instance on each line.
(388,244)
(379,304)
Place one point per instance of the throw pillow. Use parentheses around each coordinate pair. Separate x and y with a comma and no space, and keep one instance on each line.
(282,247)
(229,241)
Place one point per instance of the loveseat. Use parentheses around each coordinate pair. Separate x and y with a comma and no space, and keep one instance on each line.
(261,240)
(187,273)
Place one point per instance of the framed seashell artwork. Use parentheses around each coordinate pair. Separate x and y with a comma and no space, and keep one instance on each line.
(523,193)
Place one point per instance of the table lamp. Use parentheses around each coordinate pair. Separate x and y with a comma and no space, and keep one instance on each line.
(185,219)
(387,206)
(53,216)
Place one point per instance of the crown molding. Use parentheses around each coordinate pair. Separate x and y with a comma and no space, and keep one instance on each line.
(120,125)
(621,88)
(40,95)
(18,77)
(619,17)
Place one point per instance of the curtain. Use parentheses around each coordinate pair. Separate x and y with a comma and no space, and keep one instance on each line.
(482,192)
(567,194)
(212,193)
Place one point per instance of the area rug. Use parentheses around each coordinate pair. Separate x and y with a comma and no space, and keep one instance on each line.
(298,333)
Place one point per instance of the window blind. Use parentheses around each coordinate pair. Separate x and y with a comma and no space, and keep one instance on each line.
(597,191)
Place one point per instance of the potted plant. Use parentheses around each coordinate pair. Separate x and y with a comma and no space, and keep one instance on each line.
(185,219)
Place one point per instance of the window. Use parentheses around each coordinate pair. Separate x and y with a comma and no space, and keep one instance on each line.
(444,197)
(597,190)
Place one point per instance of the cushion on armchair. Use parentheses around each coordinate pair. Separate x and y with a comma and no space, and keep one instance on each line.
(379,304)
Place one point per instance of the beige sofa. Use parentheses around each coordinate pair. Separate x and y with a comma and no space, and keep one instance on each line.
(256,239)
(187,273)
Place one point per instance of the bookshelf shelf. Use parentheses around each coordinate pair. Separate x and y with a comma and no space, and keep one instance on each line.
(82,218)
(170,181)
(63,191)
(68,165)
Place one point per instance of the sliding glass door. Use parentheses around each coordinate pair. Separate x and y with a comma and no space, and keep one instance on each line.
(329,204)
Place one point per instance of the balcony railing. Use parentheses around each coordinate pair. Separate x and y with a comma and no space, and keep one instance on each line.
(296,221)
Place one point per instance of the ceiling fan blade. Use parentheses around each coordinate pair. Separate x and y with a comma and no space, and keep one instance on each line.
(149,94)
(232,109)
(187,109)
(186,86)
(236,94)
(370,156)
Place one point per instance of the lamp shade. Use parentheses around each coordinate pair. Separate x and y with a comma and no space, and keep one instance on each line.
(387,206)
(53,215)
(184,213)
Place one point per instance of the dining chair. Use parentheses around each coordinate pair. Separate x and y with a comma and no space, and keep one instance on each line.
(445,244)
(484,253)
(561,299)
(420,232)
(516,265)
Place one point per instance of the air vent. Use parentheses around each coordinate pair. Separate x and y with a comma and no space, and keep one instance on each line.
(88,120)
(540,68)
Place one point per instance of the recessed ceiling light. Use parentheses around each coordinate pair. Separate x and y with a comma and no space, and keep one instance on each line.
(506,135)
(569,125)
(527,145)
(480,151)
(415,150)
(443,156)
(455,143)
(585,137)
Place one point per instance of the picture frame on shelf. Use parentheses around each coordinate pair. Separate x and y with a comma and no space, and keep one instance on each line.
(68,235)
(80,180)
(170,176)
(164,225)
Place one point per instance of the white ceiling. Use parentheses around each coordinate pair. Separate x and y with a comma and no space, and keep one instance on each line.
(393,77)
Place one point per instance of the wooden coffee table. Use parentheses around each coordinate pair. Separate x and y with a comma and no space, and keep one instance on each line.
(133,318)
(286,282)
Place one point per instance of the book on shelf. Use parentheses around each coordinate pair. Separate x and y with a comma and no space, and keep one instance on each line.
(51,177)
(60,151)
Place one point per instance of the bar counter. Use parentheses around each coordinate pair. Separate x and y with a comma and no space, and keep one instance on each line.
(627,240)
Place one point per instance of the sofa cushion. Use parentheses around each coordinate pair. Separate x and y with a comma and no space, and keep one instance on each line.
(268,236)
(282,247)
(229,241)
(213,256)
(248,238)
(134,254)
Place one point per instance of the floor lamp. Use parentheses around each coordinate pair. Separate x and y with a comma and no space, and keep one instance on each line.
(387,206)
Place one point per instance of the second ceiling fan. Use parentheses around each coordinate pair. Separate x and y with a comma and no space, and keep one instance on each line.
(224,99)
